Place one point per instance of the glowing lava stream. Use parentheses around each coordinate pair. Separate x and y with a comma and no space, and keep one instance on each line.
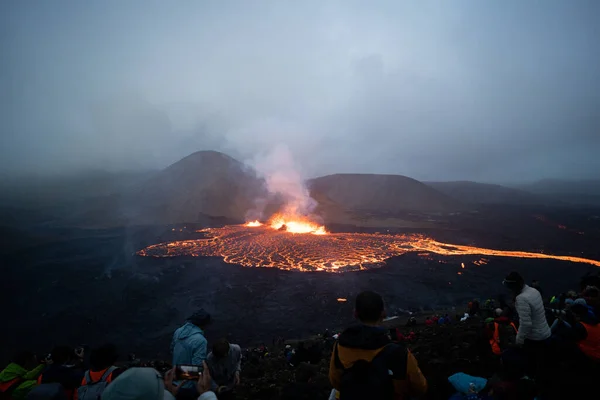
(260,245)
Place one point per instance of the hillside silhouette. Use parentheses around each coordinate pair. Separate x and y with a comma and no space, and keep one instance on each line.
(485,193)
(381,193)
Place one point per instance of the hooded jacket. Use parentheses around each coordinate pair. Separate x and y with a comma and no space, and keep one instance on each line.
(364,342)
(13,371)
(188,347)
(532,316)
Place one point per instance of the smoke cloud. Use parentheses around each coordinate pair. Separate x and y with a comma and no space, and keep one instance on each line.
(284,182)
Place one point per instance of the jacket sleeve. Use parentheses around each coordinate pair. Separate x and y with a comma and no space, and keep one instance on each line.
(525,324)
(33,374)
(198,350)
(416,380)
(335,375)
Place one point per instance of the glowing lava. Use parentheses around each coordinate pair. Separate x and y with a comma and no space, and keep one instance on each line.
(253,223)
(270,245)
(296,225)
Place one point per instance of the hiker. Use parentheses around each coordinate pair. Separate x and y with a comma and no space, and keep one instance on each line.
(533,327)
(366,365)
(101,373)
(189,346)
(19,377)
(591,294)
(225,365)
(501,333)
(586,331)
(534,331)
(64,369)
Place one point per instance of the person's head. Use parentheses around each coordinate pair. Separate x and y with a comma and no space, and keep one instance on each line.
(103,357)
(368,308)
(62,355)
(24,358)
(220,348)
(200,318)
(514,282)
(137,384)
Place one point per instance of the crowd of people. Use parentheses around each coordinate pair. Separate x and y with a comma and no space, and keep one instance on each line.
(542,350)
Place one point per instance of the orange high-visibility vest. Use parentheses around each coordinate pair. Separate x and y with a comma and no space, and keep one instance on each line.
(590,346)
(495,340)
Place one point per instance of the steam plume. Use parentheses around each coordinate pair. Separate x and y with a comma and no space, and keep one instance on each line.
(284,180)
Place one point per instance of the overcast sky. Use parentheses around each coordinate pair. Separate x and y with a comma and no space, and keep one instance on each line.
(436,90)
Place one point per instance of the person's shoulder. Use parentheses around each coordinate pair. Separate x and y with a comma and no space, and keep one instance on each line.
(236,347)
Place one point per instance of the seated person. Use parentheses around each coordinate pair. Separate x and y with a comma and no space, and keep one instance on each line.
(64,369)
(20,376)
(225,365)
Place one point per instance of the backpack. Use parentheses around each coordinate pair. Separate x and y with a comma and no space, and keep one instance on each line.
(91,390)
(507,336)
(47,391)
(373,380)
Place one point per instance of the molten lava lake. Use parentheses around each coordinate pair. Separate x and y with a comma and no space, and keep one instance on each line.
(254,245)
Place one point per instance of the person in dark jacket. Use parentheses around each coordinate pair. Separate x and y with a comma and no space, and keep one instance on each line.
(366,340)
(65,369)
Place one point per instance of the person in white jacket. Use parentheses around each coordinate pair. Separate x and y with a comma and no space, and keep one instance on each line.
(534,331)
(533,325)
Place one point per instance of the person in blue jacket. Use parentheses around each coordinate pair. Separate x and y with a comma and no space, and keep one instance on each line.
(189,344)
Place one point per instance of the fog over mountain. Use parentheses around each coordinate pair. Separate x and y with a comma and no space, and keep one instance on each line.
(484,91)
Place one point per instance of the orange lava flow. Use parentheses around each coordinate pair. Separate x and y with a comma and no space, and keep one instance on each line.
(263,246)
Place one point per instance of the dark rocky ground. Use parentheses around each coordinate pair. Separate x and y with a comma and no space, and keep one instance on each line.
(80,286)
(440,350)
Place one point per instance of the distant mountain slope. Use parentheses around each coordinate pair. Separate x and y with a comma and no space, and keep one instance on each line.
(579,192)
(203,184)
(385,193)
(484,193)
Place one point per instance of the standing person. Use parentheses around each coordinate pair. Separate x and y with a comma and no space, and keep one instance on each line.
(534,331)
(19,377)
(365,364)
(189,346)
(225,365)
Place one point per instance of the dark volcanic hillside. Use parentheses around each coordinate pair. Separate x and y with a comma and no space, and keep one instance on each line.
(203,184)
(483,193)
(582,192)
(382,193)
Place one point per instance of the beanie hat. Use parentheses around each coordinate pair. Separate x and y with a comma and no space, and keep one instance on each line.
(137,384)
(199,318)
(513,278)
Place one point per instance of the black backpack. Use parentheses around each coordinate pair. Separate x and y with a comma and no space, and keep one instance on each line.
(373,380)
